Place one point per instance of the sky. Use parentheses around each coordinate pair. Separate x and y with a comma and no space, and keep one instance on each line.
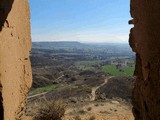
(80,20)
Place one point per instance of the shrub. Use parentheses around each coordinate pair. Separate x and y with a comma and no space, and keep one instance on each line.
(77,118)
(89,108)
(92,118)
(82,112)
(96,105)
(53,110)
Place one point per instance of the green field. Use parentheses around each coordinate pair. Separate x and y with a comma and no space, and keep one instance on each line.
(85,65)
(43,89)
(127,71)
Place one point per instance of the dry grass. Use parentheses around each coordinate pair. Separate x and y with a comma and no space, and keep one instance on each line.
(53,110)
(89,108)
(92,118)
(82,112)
(77,118)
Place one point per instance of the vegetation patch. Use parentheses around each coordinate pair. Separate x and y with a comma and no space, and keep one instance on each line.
(86,65)
(77,118)
(123,71)
(92,118)
(53,110)
(44,89)
(129,71)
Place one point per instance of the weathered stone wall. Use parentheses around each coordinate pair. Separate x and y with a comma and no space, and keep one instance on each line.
(15,44)
(145,41)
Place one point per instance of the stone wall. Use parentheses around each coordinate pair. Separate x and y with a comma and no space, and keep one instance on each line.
(145,41)
(15,70)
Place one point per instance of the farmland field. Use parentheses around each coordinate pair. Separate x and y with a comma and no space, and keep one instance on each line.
(125,71)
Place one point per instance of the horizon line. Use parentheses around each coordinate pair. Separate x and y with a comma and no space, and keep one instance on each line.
(85,42)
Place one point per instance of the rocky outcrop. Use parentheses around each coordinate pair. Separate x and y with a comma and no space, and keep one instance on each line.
(145,41)
(15,70)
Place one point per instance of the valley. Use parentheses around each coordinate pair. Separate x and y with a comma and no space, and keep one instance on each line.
(93,76)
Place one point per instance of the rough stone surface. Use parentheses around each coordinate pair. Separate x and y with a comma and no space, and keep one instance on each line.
(15,70)
(145,41)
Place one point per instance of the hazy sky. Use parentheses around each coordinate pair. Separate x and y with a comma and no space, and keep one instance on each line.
(80,20)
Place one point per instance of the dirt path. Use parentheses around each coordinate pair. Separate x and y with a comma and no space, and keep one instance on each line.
(40,94)
(93,94)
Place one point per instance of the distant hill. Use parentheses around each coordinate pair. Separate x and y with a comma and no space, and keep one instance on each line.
(103,48)
(57,44)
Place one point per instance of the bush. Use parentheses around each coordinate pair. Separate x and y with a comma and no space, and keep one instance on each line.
(77,118)
(82,112)
(89,108)
(53,110)
(92,118)
(96,105)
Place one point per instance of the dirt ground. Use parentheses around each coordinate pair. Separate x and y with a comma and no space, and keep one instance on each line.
(112,110)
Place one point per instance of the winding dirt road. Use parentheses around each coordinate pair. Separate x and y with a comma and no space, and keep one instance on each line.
(93,94)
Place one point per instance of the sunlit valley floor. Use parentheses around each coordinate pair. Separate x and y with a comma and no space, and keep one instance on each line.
(92,81)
